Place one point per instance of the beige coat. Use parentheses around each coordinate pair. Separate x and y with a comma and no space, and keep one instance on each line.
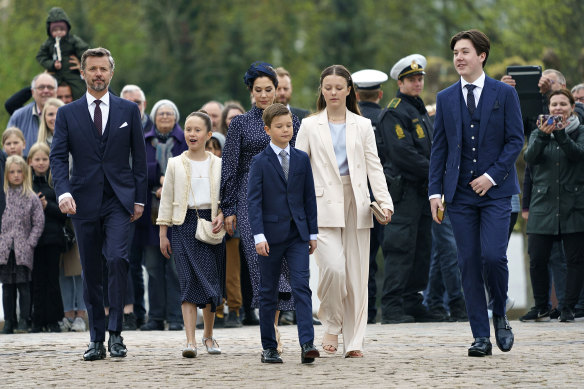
(315,139)
(175,191)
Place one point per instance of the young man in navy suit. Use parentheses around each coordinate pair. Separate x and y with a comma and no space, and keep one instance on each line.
(104,193)
(282,214)
(478,134)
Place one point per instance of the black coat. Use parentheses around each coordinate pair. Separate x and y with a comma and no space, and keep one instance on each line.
(54,218)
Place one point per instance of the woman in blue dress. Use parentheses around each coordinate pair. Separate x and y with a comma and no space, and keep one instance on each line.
(246,138)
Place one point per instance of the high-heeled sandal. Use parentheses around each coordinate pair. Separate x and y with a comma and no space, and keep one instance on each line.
(329,345)
(189,351)
(214,349)
(354,354)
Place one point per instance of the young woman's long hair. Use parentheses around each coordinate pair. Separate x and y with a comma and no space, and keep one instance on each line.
(26,188)
(43,127)
(338,70)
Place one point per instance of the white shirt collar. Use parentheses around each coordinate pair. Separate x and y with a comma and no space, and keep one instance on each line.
(278,149)
(479,82)
(105,99)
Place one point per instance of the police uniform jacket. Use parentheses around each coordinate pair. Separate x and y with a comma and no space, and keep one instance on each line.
(404,136)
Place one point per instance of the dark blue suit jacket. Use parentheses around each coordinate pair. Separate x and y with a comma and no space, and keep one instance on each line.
(500,139)
(75,133)
(273,201)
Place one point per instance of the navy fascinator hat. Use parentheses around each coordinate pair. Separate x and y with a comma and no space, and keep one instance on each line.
(260,69)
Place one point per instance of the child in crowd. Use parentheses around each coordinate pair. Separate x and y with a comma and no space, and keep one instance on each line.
(47,305)
(191,191)
(282,214)
(54,54)
(13,141)
(214,146)
(48,118)
(22,224)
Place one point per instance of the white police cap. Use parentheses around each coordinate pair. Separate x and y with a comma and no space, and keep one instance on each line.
(370,79)
(407,66)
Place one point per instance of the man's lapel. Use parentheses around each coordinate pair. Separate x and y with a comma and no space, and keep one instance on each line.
(455,110)
(84,123)
(488,102)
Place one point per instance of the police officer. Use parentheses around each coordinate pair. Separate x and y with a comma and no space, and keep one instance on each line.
(404,136)
(368,89)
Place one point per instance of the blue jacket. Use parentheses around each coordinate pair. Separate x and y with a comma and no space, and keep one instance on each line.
(274,201)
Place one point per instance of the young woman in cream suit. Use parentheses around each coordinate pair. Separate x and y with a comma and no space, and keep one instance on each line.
(342,150)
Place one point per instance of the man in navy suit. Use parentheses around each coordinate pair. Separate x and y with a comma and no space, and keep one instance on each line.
(104,193)
(478,134)
(282,213)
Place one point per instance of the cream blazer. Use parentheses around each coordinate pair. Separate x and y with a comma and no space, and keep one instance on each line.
(175,191)
(315,139)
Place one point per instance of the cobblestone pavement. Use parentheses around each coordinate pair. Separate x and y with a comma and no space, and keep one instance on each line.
(545,355)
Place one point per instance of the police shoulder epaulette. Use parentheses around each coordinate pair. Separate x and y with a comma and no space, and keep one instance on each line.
(394,102)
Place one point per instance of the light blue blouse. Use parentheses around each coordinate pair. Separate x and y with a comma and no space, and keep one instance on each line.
(339,136)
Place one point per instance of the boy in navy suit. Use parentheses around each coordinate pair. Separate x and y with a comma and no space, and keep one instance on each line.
(282,214)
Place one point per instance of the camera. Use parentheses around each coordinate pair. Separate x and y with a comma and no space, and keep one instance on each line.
(550,119)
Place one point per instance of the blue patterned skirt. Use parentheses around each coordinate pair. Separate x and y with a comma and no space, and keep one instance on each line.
(200,266)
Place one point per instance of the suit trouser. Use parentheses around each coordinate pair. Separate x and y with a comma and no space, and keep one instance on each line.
(480,229)
(342,255)
(232,275)
(107,234)
(296,252)
(539,247)
(407,248)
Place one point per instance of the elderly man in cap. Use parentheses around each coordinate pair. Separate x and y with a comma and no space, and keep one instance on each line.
(368,88)
(404,134)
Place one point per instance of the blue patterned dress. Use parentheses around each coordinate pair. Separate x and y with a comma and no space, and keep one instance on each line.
(246,138)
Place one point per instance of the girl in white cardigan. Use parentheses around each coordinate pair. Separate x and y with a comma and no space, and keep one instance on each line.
(190,191)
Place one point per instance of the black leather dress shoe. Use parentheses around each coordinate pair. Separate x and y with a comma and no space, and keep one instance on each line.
(271,356)
(309,352)
(503,333)
(95,351)
(480,347)
(116,346)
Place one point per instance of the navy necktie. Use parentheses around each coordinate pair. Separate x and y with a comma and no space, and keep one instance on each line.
(470,99)
(97,117)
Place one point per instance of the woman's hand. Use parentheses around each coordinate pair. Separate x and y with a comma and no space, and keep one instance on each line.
(217,223)
(165,248)
(387,214)
(230,224)
(547,128)
(158,192)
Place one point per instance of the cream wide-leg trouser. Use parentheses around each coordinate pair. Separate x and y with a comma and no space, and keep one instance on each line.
(342,255)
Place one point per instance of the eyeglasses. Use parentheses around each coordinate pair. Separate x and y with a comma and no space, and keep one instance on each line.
(580,99)
(47,87)
(170,114)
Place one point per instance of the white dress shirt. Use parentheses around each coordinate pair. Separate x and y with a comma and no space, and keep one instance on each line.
(259,238)
(104,106)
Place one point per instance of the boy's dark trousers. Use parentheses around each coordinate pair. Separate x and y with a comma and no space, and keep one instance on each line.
(295,250)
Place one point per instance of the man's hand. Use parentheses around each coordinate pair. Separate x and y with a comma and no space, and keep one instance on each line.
(230,224)
(508,80)
(545,85)
(74,61)
(481,185)
(312,246)
(138,210)
(525,215)
(435,205)
(67,206)
(263,249)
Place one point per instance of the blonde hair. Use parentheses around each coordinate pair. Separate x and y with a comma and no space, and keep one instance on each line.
(26,187)
(43,128)
(12,131)
(39,147)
